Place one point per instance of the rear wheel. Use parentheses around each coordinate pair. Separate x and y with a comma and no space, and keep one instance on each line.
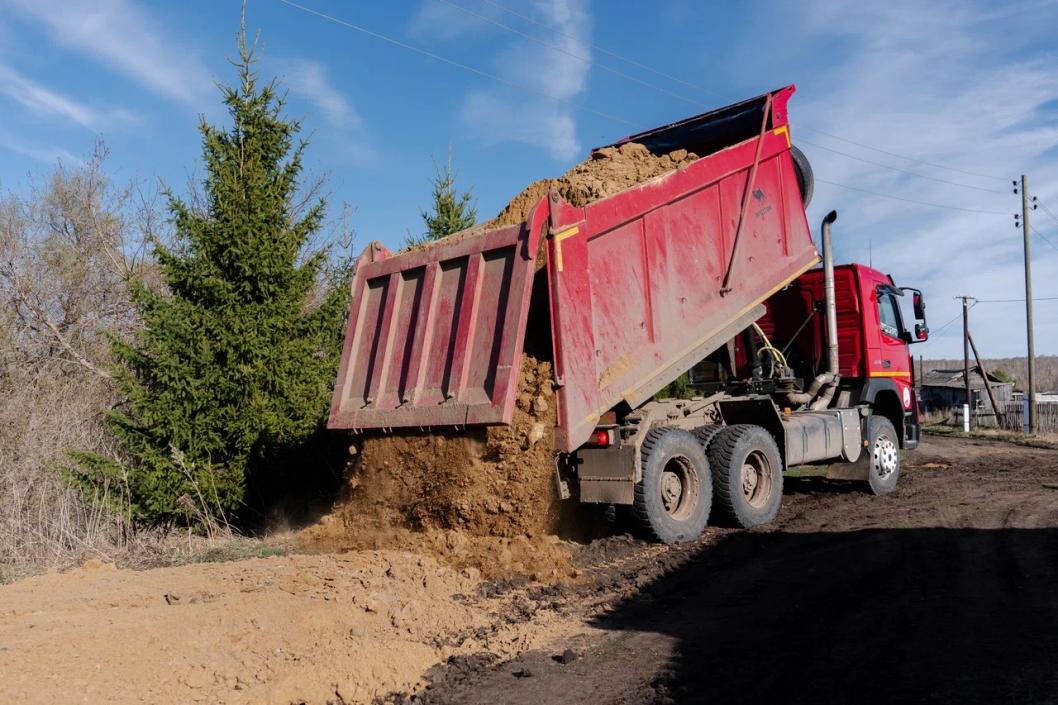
(883,463)
(747,475)
(706,434)
(672,500)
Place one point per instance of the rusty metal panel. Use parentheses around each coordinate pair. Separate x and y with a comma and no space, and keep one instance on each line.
(435,334)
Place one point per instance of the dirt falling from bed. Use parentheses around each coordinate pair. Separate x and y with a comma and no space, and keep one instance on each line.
(481,498)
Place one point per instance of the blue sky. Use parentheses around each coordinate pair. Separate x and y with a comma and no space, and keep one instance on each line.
(968,86)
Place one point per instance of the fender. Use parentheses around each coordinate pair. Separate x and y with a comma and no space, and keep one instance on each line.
(905,421)
(873,385)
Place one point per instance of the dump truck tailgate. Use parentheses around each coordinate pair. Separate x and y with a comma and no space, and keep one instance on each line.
(435,334)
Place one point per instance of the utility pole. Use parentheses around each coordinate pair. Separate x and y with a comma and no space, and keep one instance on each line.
(1030,393)
(966,360)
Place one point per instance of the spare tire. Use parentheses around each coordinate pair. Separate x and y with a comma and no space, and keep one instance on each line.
(806,180)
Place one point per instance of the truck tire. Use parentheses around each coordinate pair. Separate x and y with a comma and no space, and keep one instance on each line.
(706,434)
(806,180)
(883,463)
(747,475)
(672,500)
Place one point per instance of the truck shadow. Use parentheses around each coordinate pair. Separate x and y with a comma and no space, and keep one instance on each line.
(872,616)
(820,485)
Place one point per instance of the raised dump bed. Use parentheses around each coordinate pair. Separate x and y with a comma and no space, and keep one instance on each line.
(630,290)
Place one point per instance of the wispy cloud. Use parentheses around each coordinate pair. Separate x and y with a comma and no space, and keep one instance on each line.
(119,34)
(436,21)
(43,101)
(311,81)
(930,82)
(541,114)
(48,154)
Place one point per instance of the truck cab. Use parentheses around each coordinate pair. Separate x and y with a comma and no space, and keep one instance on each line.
(874,360)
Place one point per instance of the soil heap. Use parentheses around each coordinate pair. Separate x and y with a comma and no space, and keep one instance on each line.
(607,172)
(477,497)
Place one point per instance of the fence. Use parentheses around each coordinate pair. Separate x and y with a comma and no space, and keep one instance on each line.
(1046,416)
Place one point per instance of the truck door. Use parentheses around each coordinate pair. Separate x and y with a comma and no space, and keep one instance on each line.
(890,357)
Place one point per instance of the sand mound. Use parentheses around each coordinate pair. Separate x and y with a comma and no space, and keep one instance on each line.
(477,497)
(608,171)
(285,629)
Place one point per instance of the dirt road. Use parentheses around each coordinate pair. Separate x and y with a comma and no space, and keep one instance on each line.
(945,592)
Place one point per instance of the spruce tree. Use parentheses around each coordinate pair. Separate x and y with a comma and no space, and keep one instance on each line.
(451,211)
(234,364)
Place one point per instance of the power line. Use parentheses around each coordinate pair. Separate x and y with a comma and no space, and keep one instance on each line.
(1017,301)
(902,171)
(664,91)
(452,62)
(904,156)
(578,57)
(1047,210)
(579,106)
(607,52)
(708,91)
(957,317)
(1045,239)
(911,200)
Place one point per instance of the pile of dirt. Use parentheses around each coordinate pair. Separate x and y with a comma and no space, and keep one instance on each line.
(476,497)
(284,629)
(608,171)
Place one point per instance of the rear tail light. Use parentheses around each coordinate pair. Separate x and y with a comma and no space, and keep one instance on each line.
(601,438)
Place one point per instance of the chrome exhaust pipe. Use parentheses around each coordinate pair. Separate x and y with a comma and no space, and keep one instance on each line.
(830,302)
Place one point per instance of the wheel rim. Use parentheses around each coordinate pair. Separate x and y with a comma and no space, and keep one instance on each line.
(679,488)
(886,457)
(756,479)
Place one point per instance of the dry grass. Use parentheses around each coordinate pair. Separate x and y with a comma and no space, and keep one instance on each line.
(67,253)
(154,550)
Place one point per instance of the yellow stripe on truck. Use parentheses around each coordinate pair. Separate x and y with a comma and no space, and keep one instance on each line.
(559,237)
(889,373)
(784,130)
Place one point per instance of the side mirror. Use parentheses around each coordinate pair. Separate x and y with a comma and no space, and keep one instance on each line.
(921,332)
(918,302)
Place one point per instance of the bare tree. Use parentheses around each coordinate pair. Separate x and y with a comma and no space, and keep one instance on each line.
(68,252)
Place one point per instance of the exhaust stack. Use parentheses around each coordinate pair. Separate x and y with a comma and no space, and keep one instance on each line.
(829,295)
(830,302)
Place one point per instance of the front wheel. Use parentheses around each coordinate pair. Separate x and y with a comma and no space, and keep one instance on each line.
(672,500)
(883,463)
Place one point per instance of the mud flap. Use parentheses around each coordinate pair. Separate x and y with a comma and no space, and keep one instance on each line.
(607,475)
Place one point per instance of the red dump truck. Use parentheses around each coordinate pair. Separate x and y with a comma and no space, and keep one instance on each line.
(709,269)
